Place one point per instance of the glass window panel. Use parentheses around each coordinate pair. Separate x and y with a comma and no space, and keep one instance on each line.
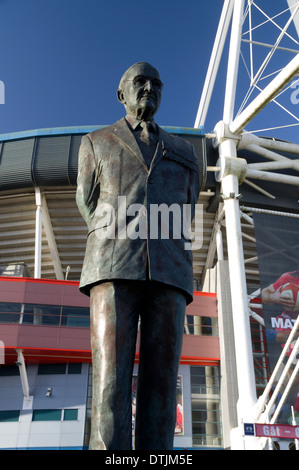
(9,416)
(6,371)
(74,368)
(206,325)
(70,415)
(189,325)
(10,307)
(46,415)
(198,428)
(200,325)
(206,417)
(41,314)
(10,312)
(199,415)
(46,369)
(75,316)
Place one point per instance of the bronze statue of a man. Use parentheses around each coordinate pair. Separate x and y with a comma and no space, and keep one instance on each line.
(132,270)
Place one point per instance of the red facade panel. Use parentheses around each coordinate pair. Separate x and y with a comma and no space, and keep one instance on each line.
(201,346)
(204,305)
(39,291)
(12,291)
(41,343)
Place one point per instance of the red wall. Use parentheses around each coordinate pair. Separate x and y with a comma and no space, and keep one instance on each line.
(42,343)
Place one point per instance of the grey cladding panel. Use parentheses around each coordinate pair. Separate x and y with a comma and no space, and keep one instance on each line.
(73,160)
(50,165)
(15,164)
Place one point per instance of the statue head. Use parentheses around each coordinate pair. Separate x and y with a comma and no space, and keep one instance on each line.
(140,91)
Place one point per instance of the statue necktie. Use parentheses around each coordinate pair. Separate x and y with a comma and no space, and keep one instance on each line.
(145,135)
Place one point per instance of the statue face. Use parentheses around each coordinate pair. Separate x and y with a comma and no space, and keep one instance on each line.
(140,91)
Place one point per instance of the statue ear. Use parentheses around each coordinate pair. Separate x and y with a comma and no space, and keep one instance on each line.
(120,96)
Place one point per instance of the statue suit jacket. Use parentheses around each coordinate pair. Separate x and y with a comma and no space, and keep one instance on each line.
(120,199)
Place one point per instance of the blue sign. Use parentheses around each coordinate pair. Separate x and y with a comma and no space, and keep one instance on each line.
(249,429)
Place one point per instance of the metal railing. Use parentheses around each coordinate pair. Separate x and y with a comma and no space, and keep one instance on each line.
(285,376)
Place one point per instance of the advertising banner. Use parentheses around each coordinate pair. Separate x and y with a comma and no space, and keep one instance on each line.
(179,428)
(277,241)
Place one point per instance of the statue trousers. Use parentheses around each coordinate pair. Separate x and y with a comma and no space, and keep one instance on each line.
(115,309)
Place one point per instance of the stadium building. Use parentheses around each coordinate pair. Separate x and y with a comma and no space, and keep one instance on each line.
(45,357)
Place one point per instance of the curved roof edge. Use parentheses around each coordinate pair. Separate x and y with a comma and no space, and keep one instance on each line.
(85,130)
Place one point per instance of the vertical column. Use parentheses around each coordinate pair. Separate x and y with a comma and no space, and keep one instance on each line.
(219,243)
(23,373)
(243,344)
(228,369)
(233,172)
(38,234)
(212,419)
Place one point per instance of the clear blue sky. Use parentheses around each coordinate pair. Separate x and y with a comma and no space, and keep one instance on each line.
(61,60)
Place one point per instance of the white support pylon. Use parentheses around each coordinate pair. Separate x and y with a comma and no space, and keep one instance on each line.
(232,172)
(214,63)
(38,234)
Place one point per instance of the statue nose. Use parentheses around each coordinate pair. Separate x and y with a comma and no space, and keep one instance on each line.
(148,85)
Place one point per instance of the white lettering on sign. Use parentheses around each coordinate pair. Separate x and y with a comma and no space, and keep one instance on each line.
(271,431)
(282,323)
(281,431)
